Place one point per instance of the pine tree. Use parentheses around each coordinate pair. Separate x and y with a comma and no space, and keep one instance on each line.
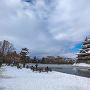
(43,60)
(24,56)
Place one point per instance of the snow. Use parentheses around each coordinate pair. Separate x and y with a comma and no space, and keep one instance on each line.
(81,64)
(88,51)
(25,79)
(81,53)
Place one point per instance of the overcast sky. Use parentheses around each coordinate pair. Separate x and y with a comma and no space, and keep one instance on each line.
(45,27)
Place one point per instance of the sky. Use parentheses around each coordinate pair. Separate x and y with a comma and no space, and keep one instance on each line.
(45,27)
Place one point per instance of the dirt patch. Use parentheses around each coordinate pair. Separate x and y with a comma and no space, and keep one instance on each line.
(3,76)
(2,70)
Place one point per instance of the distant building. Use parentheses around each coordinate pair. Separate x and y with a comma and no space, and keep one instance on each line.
(85,51)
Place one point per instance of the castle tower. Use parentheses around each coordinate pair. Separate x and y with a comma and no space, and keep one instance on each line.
(85,51)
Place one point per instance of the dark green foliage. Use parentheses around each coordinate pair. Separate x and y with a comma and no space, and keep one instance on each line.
(24,56)
(27,66)
(43,60)
(35,59)
(1,57)
(18,66)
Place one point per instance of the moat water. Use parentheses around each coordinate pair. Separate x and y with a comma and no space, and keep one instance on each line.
(70,69)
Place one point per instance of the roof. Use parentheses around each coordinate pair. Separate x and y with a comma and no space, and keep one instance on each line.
(88,51)
(87,39)
(81,53)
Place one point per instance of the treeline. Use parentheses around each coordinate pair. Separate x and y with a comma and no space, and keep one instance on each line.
(9,56)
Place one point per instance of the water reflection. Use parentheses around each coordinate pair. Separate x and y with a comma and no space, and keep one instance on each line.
(74,71)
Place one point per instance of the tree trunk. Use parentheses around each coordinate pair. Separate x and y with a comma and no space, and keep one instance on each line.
(23,65)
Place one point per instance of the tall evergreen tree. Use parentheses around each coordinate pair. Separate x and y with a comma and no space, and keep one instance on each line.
(43,60)
(35,61)
(24,56)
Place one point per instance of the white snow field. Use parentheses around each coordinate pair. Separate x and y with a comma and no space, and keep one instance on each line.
(25,79)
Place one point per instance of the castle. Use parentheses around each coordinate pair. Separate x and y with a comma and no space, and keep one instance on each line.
(85,51)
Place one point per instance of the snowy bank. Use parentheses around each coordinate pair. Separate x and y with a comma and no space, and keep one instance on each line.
(25,79)
(81,64)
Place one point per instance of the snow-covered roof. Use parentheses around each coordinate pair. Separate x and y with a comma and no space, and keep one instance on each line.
(86,40)
(81,53)
(89,39)
(80,49)
(87,44)
(88,51)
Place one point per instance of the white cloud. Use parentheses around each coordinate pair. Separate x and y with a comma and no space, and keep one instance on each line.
(45,27)
(71,18)
(69,55)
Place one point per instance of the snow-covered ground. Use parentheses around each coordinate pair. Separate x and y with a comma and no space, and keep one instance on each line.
(25,79)
(81,64)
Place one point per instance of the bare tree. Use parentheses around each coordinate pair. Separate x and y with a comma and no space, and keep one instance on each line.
(6,47)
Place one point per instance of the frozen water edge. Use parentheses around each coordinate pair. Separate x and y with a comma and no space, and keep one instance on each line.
(25,79)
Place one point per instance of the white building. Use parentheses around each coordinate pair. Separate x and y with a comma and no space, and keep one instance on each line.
(85,51)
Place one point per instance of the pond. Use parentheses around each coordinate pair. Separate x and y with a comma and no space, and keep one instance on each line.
(74,71)
(70,69)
